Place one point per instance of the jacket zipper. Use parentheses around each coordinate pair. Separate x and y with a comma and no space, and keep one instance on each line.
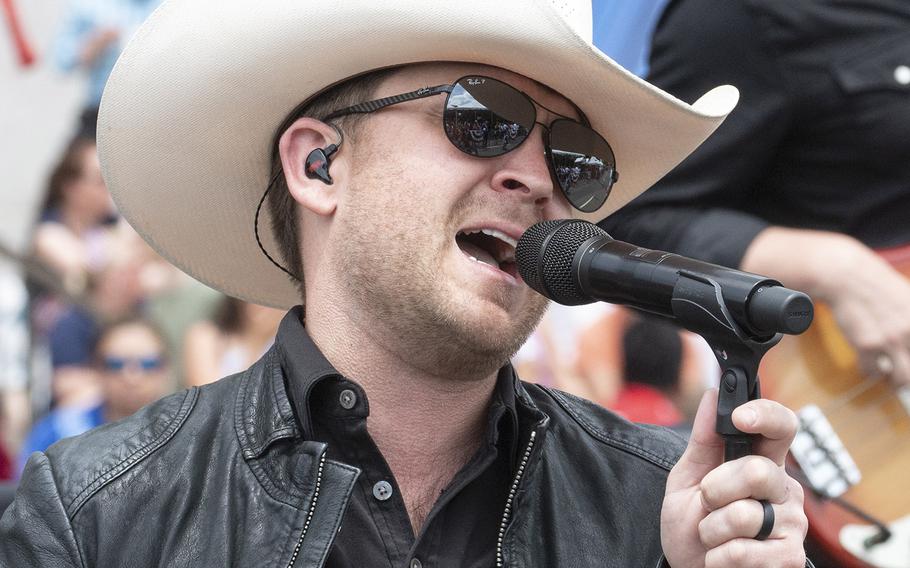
(309,515)
(506,515)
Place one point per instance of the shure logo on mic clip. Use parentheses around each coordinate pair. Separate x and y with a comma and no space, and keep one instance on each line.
(799,314)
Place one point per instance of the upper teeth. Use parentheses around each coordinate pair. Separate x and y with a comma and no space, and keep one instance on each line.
(494,233)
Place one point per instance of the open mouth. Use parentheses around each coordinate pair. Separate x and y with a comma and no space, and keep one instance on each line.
(490,247)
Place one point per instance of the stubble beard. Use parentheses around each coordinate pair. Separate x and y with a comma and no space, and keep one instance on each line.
(402,297)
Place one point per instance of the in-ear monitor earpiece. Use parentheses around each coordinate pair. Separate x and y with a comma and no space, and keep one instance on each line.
(317,164)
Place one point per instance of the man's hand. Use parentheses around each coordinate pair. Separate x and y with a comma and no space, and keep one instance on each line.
(711,513)
(869,298)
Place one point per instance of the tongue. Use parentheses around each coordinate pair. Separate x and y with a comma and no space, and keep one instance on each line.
(480,254)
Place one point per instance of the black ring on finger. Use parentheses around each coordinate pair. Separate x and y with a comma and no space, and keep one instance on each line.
(767,524)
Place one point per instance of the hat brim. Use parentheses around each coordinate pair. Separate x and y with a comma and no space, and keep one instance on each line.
(190,110)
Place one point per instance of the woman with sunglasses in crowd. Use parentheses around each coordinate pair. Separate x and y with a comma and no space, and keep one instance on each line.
(131,363)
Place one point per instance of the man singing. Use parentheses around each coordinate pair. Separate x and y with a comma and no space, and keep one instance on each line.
(377,163)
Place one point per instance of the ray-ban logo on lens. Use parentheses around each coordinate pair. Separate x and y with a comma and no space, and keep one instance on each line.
(475,81)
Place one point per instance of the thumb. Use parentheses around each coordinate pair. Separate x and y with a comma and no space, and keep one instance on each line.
(705,450)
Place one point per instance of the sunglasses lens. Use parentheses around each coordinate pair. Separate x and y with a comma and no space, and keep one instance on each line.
(150,363)
(583,163)
(485,117)
(114,364)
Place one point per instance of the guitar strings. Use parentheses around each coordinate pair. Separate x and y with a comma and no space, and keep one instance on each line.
(855,392)
(830,410)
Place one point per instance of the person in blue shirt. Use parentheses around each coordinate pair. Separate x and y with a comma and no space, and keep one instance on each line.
(91,37)
(623,30)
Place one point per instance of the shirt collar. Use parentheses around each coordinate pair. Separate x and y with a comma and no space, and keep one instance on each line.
(303,365)
(305,368)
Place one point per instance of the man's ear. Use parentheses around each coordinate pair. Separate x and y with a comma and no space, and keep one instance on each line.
(295,146)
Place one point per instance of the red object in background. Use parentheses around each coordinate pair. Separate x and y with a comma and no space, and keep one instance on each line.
(642,403)
(23,49)
(6,465)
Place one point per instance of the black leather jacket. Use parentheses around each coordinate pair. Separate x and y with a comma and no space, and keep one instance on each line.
(221,476)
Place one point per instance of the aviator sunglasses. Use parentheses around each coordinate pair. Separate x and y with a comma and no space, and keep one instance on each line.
(145,364)
(486,118)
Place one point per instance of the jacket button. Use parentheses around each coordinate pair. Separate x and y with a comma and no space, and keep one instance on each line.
(347,399)
(902,74)
(415,563)
(382,490)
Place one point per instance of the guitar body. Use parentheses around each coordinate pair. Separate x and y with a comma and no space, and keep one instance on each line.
(820,368)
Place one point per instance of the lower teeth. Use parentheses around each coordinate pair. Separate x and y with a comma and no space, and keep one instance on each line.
(484,262)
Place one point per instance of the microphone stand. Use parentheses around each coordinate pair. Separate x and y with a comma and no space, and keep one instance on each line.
(699,305)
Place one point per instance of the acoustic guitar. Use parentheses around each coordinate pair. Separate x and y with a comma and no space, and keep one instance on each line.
(853,445)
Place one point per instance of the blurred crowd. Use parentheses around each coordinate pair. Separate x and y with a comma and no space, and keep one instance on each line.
(93,323)
(104,325)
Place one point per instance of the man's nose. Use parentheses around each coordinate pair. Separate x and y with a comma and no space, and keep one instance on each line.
(524,173)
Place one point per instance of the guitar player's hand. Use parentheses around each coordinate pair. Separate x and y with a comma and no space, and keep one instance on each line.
(869,298)
(872,307)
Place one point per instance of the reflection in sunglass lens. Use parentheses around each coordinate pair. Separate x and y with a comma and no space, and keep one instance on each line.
(485,117)
(583,163)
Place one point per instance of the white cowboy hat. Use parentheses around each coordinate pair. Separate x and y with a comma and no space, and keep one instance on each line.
(189,112)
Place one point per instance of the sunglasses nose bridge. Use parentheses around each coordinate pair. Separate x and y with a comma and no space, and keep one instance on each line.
(525,171)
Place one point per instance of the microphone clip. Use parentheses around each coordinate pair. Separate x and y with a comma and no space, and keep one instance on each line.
(699,302)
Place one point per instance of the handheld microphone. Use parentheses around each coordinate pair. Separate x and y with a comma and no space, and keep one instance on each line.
(574,262)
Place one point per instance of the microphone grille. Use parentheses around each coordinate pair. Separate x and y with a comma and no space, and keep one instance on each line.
(545,253)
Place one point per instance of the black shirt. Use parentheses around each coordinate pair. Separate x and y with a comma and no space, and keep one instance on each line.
(819,140)
(462,528)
